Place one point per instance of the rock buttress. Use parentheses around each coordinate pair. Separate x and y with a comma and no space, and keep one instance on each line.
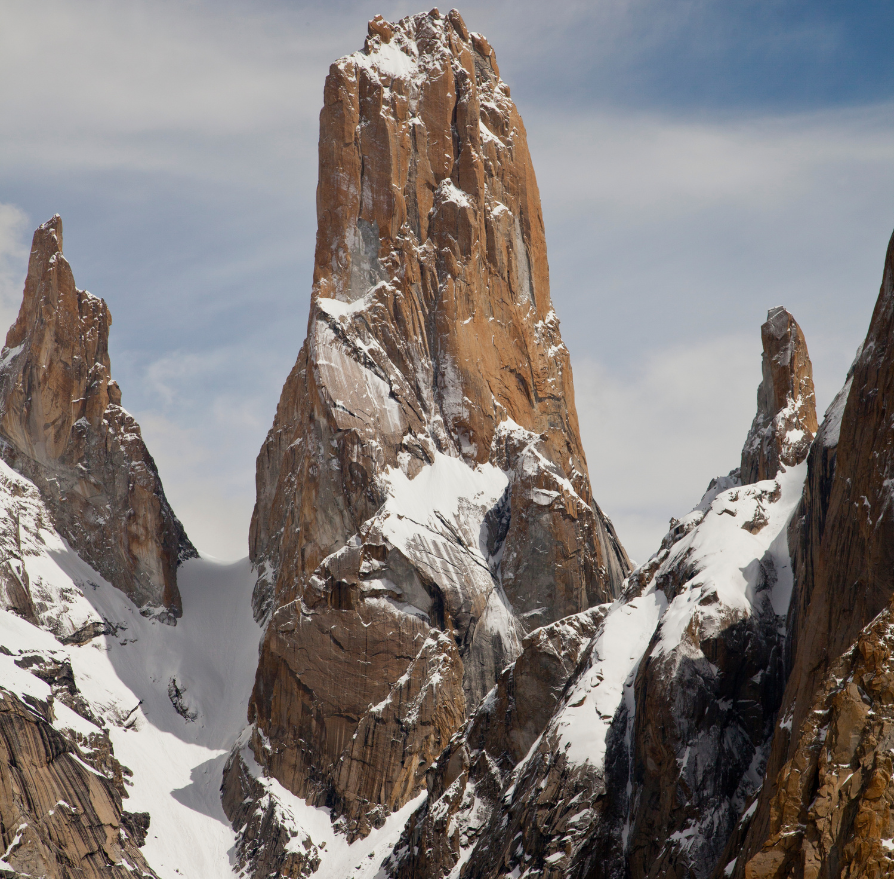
(824,806)
(705,710)
(60,815)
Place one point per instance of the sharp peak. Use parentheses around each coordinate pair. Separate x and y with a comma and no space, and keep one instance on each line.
(51,228)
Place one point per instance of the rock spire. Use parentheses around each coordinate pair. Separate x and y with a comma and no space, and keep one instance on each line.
(423,499)
(826,803)
(63,427)
(785,423)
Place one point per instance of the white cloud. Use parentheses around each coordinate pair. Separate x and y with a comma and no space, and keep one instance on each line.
(655,437)
(13,261)
(149,86)
(212,498)
(642,166)
(204,433)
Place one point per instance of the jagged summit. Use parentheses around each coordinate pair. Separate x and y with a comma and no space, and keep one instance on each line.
(63,427)
(785,423)
(423,499)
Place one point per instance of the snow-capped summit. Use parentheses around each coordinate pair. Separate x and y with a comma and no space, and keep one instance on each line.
(423,498)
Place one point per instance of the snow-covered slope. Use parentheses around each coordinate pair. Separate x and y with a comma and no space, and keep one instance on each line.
(658,711)
(171,698)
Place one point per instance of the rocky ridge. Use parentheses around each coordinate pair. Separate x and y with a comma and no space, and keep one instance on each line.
(63,427)
(660,731)
(104,708)
(466,784)
(101,773)
(423,500)
(839,640)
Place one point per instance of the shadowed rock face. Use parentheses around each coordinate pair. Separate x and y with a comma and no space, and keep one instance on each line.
(63,427)
(810,819)
(705,710)
(785,422)
(422,497)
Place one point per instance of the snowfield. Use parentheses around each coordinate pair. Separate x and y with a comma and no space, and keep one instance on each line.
(725,560)
(210,655)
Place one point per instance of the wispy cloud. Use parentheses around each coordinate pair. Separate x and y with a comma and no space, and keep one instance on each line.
(656,436)
(648,166)
(13,261)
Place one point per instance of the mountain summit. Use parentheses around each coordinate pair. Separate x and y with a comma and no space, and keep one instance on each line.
(63,427)
(423,499)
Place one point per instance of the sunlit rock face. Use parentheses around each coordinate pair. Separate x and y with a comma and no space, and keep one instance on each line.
(63,427)
(422,497)
(59,815)
(785,423)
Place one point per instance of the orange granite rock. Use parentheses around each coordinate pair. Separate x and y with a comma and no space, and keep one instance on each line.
(424,483)
(62,426)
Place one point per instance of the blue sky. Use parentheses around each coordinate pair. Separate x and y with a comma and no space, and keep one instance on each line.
(699,162)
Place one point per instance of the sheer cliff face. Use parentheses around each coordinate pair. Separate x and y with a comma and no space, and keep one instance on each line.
(423,498)
(825,805)
(785,423)
(63,427)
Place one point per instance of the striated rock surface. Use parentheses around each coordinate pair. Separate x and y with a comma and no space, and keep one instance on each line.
(63,427)
(785,423)
(831,809)
(100,703)
(469,778)
(658,742)
(60,815)
(422,497)
(845,579)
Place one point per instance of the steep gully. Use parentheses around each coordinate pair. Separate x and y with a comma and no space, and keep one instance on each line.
(444,661)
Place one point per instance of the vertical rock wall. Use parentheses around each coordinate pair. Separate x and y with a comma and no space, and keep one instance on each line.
(828,761)
(422,497)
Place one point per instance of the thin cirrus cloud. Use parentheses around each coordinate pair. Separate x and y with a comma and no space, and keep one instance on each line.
(698,163)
